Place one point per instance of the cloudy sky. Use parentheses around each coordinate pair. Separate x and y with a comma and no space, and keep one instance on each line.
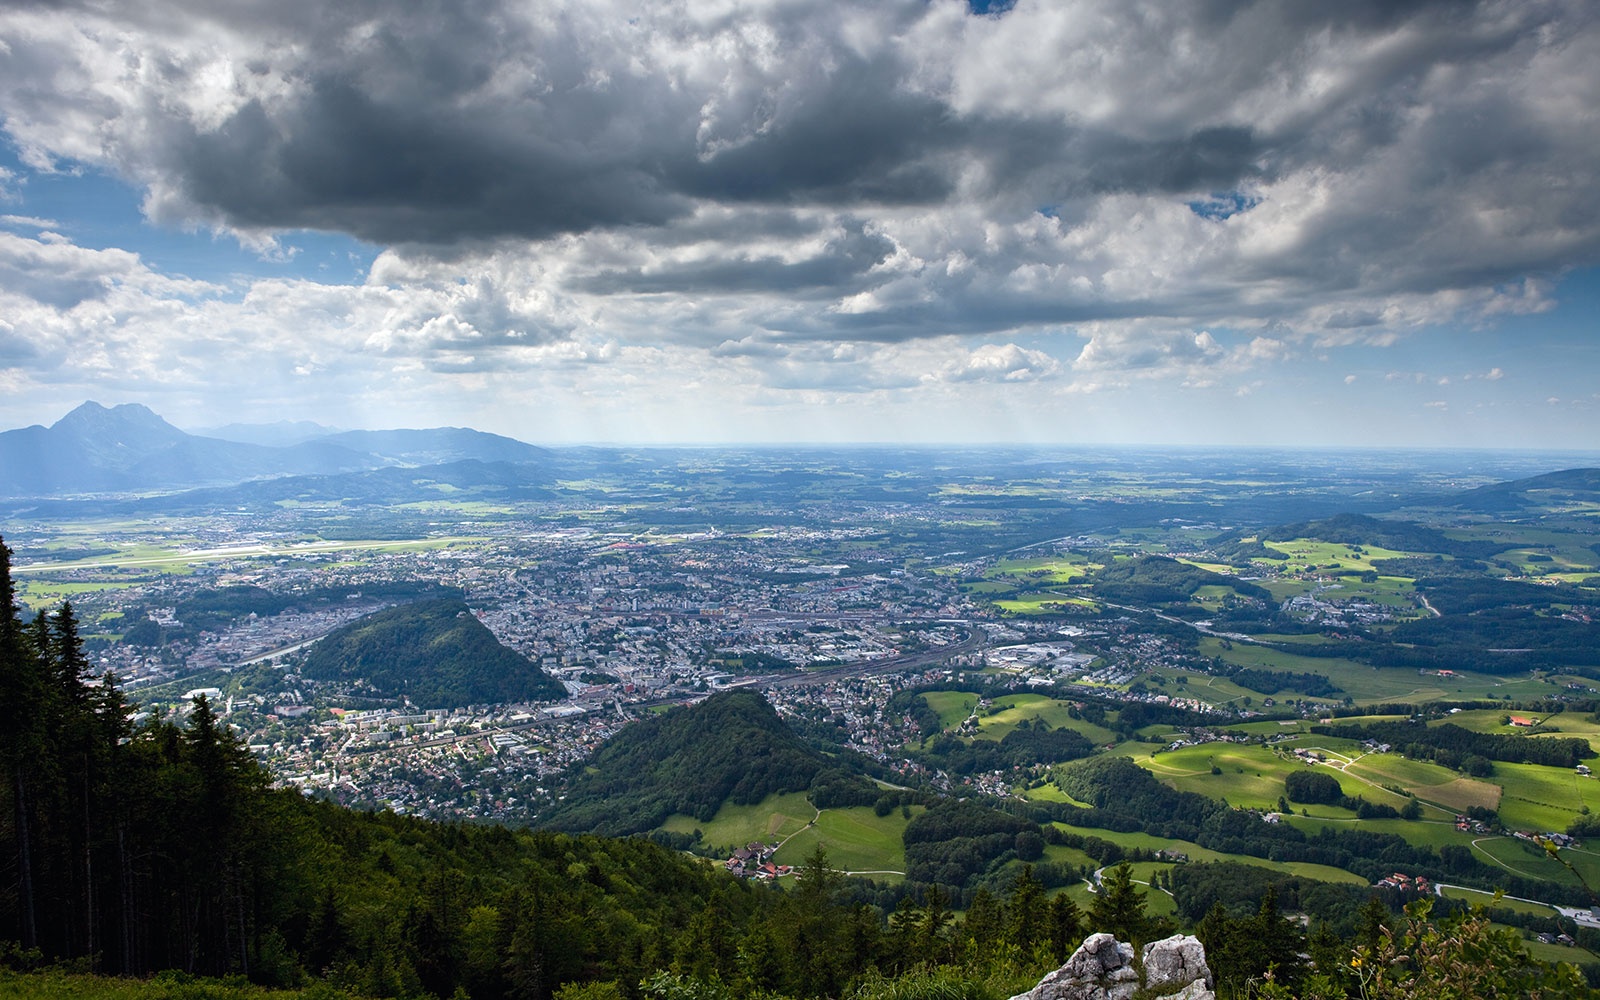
(1103,221)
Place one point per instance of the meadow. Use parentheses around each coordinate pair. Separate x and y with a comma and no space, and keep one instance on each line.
(856,839)
(1007,713)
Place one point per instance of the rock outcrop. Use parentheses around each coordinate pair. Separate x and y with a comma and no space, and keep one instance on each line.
(1104,968)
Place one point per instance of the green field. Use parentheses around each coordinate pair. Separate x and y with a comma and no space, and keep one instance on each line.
(1560,725)
(856,839)
(1252,776)
(1039,604)
(953,706)
(1522,858)
(1050,792)
(1204,687)
(1016,709)
(1325,873)
(1487,899)
(1034,572)
(1429,782)
(1374,684)
(1541,798)
(1304,552)
(772,818)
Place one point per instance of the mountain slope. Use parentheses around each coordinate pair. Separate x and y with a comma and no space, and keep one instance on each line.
(732,747)
(434,652)
(95,449)
(438,444)
(1404,536)
(128,447)
(1554,489)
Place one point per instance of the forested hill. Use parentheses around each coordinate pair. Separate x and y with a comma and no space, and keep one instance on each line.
(1580,485)
(1359,529)
(434,652)
(732,747)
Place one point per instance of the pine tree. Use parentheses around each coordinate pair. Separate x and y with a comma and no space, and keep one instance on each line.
(20,751)
(1028,918)
(1119,907)
(1066,927)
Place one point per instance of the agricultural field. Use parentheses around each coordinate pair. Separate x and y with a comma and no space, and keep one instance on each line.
(1543,799)
(1432,783)
(1046,603)
(1218,691)
(953,706)
(1195,852)
(1307,554)
(1253,776)
(773,818)
(1369,685)
(856,838)
(1034,572)
(1487,899)
(1006,713)
(1560,725)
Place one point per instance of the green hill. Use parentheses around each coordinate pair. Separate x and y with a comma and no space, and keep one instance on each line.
(1551,490)
(434,652)
(1403,536)
(732,747)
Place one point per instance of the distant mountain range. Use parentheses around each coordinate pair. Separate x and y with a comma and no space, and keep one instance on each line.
(128,448)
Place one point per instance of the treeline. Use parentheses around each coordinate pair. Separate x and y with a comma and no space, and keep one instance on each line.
(1318,787)
(1273,681)
(130,848)
(1452,746)
(954,841)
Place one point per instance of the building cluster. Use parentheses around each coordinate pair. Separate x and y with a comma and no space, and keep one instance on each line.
(754,860)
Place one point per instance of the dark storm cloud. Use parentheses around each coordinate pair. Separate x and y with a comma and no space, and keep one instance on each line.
(877,172)
(441,121)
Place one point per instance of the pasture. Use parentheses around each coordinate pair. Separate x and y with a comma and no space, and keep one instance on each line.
(773,818)
(1008,712)
(953,706)
(1543,799)
(1373,684)
(856,840)
(1253,776)
(1128,841)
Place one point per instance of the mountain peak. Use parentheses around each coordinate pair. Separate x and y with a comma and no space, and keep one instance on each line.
(126,418)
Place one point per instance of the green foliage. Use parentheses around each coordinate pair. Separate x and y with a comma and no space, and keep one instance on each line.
(732,747)
(1461,957)
(954,842)
(1160,580)
(436,653)
(1119,909)
(1312,787)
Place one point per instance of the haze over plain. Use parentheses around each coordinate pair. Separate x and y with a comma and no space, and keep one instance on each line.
(1218,223)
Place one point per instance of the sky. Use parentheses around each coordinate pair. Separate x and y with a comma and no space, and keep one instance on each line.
(912,221)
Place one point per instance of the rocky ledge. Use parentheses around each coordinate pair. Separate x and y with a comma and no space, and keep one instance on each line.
(1104,968)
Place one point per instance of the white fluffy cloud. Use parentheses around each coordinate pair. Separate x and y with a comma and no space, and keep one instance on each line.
(796,197)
